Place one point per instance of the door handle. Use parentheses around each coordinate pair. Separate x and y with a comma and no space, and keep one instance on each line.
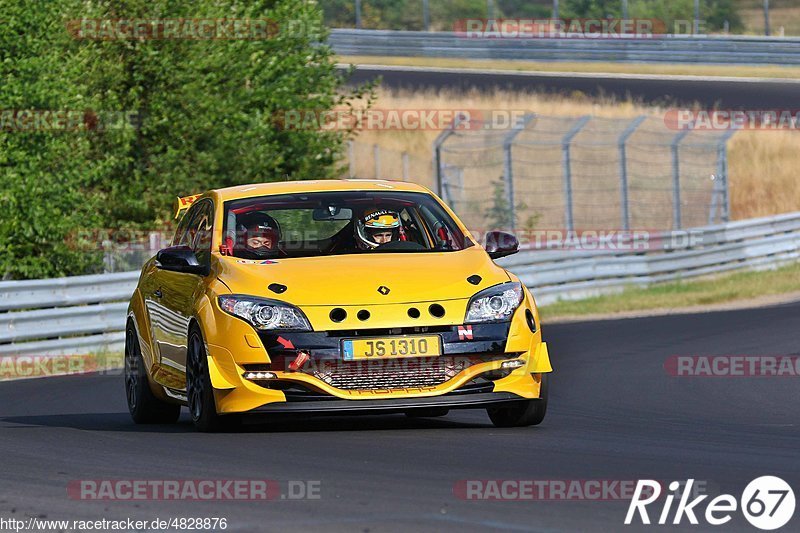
(158,293)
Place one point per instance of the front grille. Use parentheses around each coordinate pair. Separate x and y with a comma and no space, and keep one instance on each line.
(377,332)
(389,374)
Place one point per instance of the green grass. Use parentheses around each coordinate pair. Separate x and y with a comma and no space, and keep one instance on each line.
(702,292)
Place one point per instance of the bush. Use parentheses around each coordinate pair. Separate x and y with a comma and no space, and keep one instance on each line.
(207,116)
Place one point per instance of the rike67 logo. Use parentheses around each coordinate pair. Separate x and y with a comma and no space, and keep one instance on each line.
(767,503)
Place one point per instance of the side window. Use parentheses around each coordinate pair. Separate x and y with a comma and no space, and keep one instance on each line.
(181,237)
(201,230)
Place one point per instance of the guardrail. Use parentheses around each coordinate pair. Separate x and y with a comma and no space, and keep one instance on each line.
(87,313)
(72,315)
(580,273)
(670,49)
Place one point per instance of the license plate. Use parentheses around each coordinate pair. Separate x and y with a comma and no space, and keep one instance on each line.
(391,347)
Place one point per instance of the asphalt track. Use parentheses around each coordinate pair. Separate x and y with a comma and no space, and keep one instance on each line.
(724,93)
(614,414)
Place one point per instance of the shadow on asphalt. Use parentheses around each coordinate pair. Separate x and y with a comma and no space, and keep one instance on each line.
(122,422)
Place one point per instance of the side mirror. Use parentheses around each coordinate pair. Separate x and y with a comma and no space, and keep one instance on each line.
(500,244)
(180,259)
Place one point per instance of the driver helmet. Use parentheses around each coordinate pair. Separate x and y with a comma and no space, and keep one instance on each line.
(259,235)
(377,227)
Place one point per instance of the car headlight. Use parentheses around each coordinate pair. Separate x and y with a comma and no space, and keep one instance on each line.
(265,314)
(495,304)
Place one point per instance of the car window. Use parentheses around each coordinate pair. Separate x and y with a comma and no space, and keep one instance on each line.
(339,223)
(182,237)
(299,224)
(200,231)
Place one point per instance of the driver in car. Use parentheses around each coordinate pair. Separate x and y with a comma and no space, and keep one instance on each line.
(259,235)
(377,227)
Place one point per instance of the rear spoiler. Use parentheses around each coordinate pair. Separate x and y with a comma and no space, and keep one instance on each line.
(182,204)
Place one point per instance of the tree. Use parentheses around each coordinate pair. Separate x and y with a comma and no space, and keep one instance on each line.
(500,215)
(526,8)
(208,116)
(714,12)
(43,169)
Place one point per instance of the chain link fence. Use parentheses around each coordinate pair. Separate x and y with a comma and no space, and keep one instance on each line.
(577,173)
(586,173)
(373,161)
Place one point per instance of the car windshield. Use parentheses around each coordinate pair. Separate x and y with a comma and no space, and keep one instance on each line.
(338,223)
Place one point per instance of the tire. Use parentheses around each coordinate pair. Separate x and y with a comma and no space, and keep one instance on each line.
(524,413)
(144,406)
(427,412)
(199,392)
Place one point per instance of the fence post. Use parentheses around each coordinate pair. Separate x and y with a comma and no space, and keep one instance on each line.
(623,169)
(722,173)
(405,166)
(426,15)
(358,14)
(508,164)
(438,164)
(676,178)
(565,145)
(351,148)
(376,155)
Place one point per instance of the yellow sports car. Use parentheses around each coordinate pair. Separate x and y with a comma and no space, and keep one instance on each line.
(326,297)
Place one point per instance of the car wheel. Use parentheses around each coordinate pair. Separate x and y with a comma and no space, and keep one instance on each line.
(429,412)
(523,413)
(199,392)
(143,405)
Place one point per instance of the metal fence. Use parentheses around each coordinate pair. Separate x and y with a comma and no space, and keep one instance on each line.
(375,161)
(584,172)
(73,315)
(583,271)
(569,173)
(669,49)
(87,313)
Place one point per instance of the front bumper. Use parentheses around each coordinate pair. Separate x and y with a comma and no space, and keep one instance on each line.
(392,405)
(481,381)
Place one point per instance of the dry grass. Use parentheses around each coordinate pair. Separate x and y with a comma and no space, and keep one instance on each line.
(418,143)
(771,71)
(764,168)
(783,20)
(763,165)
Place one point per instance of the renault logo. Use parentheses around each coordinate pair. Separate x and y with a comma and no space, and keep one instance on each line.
(383,289)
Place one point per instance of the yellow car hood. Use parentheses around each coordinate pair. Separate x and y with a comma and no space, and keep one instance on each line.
(355,279)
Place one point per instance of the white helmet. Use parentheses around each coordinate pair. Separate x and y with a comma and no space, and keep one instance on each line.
(377,221)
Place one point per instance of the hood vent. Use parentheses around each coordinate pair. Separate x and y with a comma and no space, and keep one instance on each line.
(277,288)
